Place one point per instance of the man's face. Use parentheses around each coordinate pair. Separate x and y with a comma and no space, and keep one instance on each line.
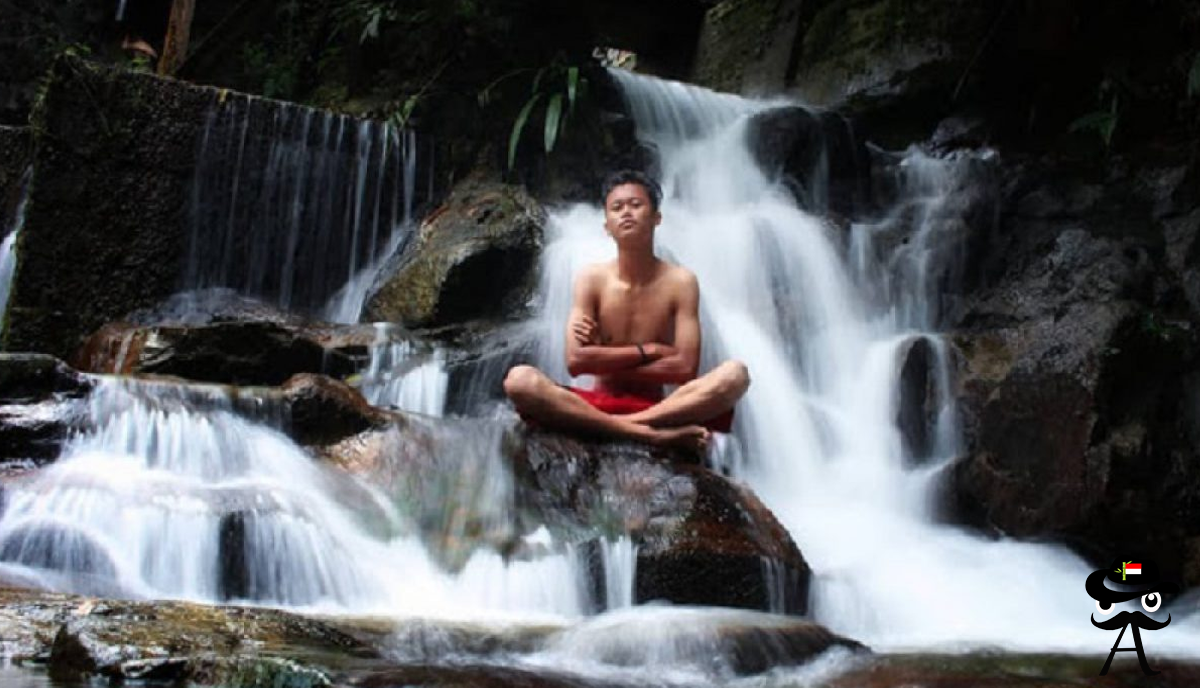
(628,215)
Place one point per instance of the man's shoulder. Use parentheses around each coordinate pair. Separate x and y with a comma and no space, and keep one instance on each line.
(594,271)
(681,276)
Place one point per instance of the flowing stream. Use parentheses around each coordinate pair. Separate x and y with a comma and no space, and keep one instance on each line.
(196,492)
(824,322)
(297,205)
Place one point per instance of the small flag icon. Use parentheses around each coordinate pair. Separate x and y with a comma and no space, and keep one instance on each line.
(1128,568)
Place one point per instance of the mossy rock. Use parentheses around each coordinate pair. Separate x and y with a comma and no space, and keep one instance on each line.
(473,258)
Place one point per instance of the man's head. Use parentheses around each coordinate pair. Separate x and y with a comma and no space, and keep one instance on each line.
(622,177)
(631,207)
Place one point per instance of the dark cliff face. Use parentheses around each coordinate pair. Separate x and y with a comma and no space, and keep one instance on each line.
(1030,69)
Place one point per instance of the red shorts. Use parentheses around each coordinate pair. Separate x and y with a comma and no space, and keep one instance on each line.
(622,404)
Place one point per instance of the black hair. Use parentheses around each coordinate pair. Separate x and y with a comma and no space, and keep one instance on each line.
(653,190)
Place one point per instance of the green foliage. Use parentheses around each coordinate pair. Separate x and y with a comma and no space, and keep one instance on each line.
(1102,121)
(141,62)
(368,19)
(560,86)
(400,112)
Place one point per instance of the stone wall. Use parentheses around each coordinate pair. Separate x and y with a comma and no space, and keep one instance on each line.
(103,230)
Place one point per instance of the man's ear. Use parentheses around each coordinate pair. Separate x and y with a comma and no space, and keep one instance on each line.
(657,217)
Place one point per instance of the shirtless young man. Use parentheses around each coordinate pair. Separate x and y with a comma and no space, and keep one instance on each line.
(635,325)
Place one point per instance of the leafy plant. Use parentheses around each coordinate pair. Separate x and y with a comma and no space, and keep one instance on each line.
(402,111)
(1103,121)
(560,86)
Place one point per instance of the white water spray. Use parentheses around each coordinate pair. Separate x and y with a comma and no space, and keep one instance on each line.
(183,492)
(824,344)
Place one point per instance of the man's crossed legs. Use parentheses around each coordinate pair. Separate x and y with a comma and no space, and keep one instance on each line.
(675,421)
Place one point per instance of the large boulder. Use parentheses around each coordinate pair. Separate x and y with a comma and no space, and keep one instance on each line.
(703,539)
(473,258)
(1076,368)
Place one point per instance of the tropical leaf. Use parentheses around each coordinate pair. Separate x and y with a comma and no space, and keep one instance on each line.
(573,85)
(518,125)
(553,115)
(537,80)
(1103,122)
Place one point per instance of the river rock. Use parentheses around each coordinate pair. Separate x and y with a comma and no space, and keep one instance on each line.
(39,406)
(916,413)
(703,539)
(322,410)
(472,258)
(173,641)
(239,353)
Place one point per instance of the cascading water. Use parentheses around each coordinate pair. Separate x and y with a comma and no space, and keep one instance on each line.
(8,247)
(296,205)
(824,335)
(188,492)
(400,376)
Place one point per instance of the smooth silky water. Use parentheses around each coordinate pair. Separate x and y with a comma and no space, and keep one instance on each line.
(137,505)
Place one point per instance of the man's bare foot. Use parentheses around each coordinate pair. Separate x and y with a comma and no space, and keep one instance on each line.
(693,437)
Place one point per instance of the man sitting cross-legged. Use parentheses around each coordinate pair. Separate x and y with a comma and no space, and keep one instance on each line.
(635,325)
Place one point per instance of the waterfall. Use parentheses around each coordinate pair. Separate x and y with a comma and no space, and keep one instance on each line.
(8,247)
(823,322)
(297,206)
(192,492)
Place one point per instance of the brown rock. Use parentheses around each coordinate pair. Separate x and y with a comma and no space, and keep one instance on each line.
(472,258)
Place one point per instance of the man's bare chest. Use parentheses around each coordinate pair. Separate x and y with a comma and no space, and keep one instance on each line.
(636,316)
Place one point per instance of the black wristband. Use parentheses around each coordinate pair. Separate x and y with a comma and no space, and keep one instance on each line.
(645,358)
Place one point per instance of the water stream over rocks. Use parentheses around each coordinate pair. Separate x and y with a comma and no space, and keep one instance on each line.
(298,205)
(195,492)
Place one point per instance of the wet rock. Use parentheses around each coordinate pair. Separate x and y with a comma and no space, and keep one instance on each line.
(747,47)
(173,641)
(40,403)
(473,258)
(720,643)
(323,410)
(703,539)
(34,377)
(816,154)
(916,416)
(476,368)
(239,353)
(1075,364)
